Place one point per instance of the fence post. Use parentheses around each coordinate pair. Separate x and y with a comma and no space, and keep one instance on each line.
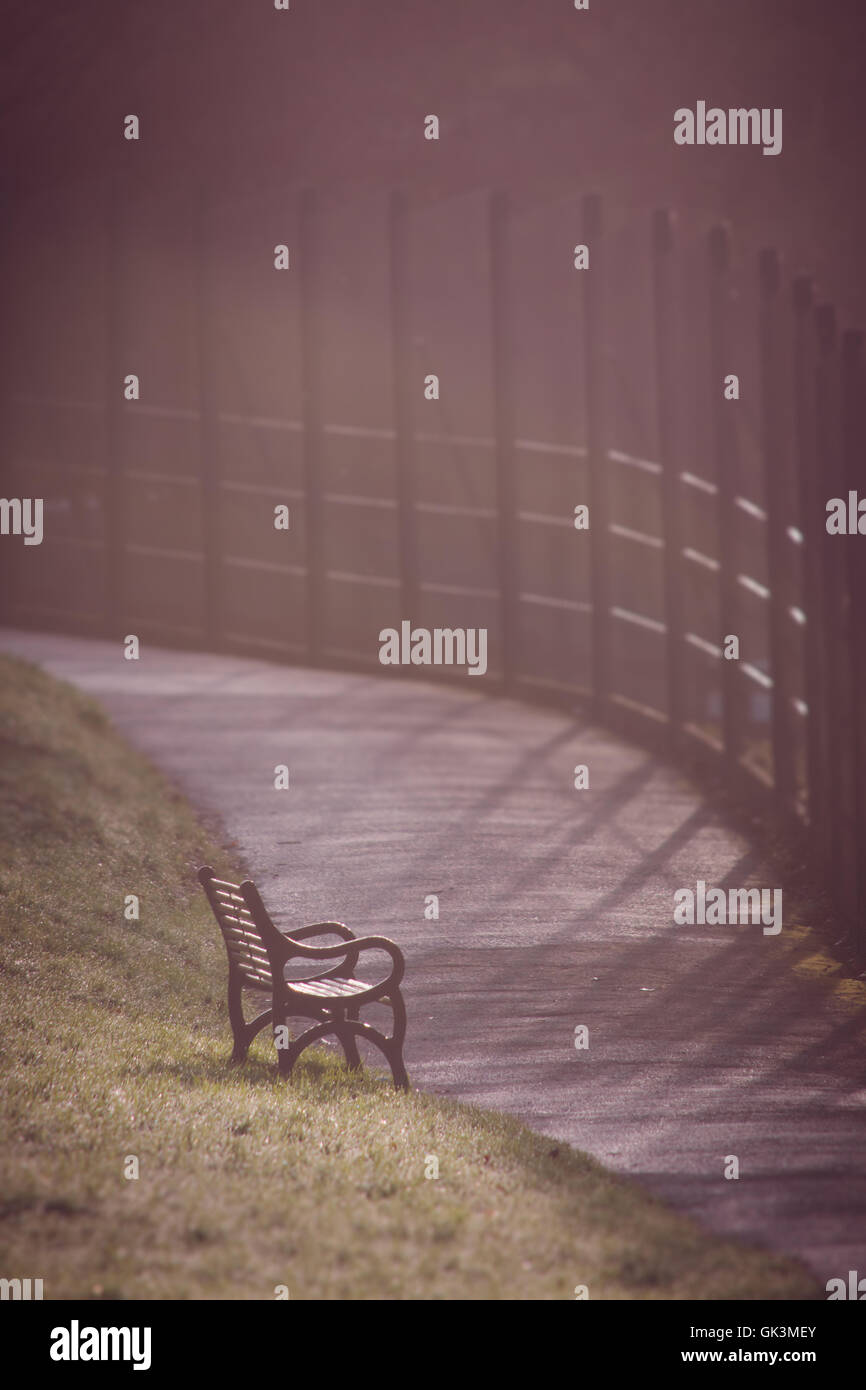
(313,423)
(852,479)
(810,526)
(827,479)
(507,540)
(666,371)
(401,358)
(596,454)
(725,464)
(114,538)
(778,545)
(209,442)
(8,470)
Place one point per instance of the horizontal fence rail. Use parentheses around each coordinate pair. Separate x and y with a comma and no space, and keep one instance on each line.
(706,511)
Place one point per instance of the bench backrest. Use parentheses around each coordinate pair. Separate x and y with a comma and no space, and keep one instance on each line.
(247,951)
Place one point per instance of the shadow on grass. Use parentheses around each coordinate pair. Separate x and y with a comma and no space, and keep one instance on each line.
(314,1067)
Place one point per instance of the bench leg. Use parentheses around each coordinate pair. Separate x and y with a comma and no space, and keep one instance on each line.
(347,1029)
(391,1047)
(237,1020)
(242,1031)
(395,1043)
(347,1039)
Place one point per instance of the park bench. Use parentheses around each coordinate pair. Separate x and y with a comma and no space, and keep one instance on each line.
(258,954)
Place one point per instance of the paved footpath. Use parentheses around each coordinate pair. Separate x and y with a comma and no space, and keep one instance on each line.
(555,910)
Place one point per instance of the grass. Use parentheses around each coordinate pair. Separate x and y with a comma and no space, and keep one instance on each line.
(116,1048)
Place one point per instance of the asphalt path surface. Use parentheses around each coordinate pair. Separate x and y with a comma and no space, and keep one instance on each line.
(555,910)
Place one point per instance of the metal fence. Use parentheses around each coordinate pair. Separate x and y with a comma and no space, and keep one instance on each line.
(558,387)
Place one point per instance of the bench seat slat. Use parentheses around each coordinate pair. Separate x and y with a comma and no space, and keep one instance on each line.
(329,989)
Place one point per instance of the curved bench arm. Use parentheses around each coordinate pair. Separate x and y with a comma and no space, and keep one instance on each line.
(320,928)
(360,943)
(342,971)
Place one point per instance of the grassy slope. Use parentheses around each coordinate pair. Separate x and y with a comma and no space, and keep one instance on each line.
(116,1044)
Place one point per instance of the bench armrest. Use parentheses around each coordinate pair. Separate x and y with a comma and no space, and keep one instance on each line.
(345,968)
(321,929)
(358,944)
